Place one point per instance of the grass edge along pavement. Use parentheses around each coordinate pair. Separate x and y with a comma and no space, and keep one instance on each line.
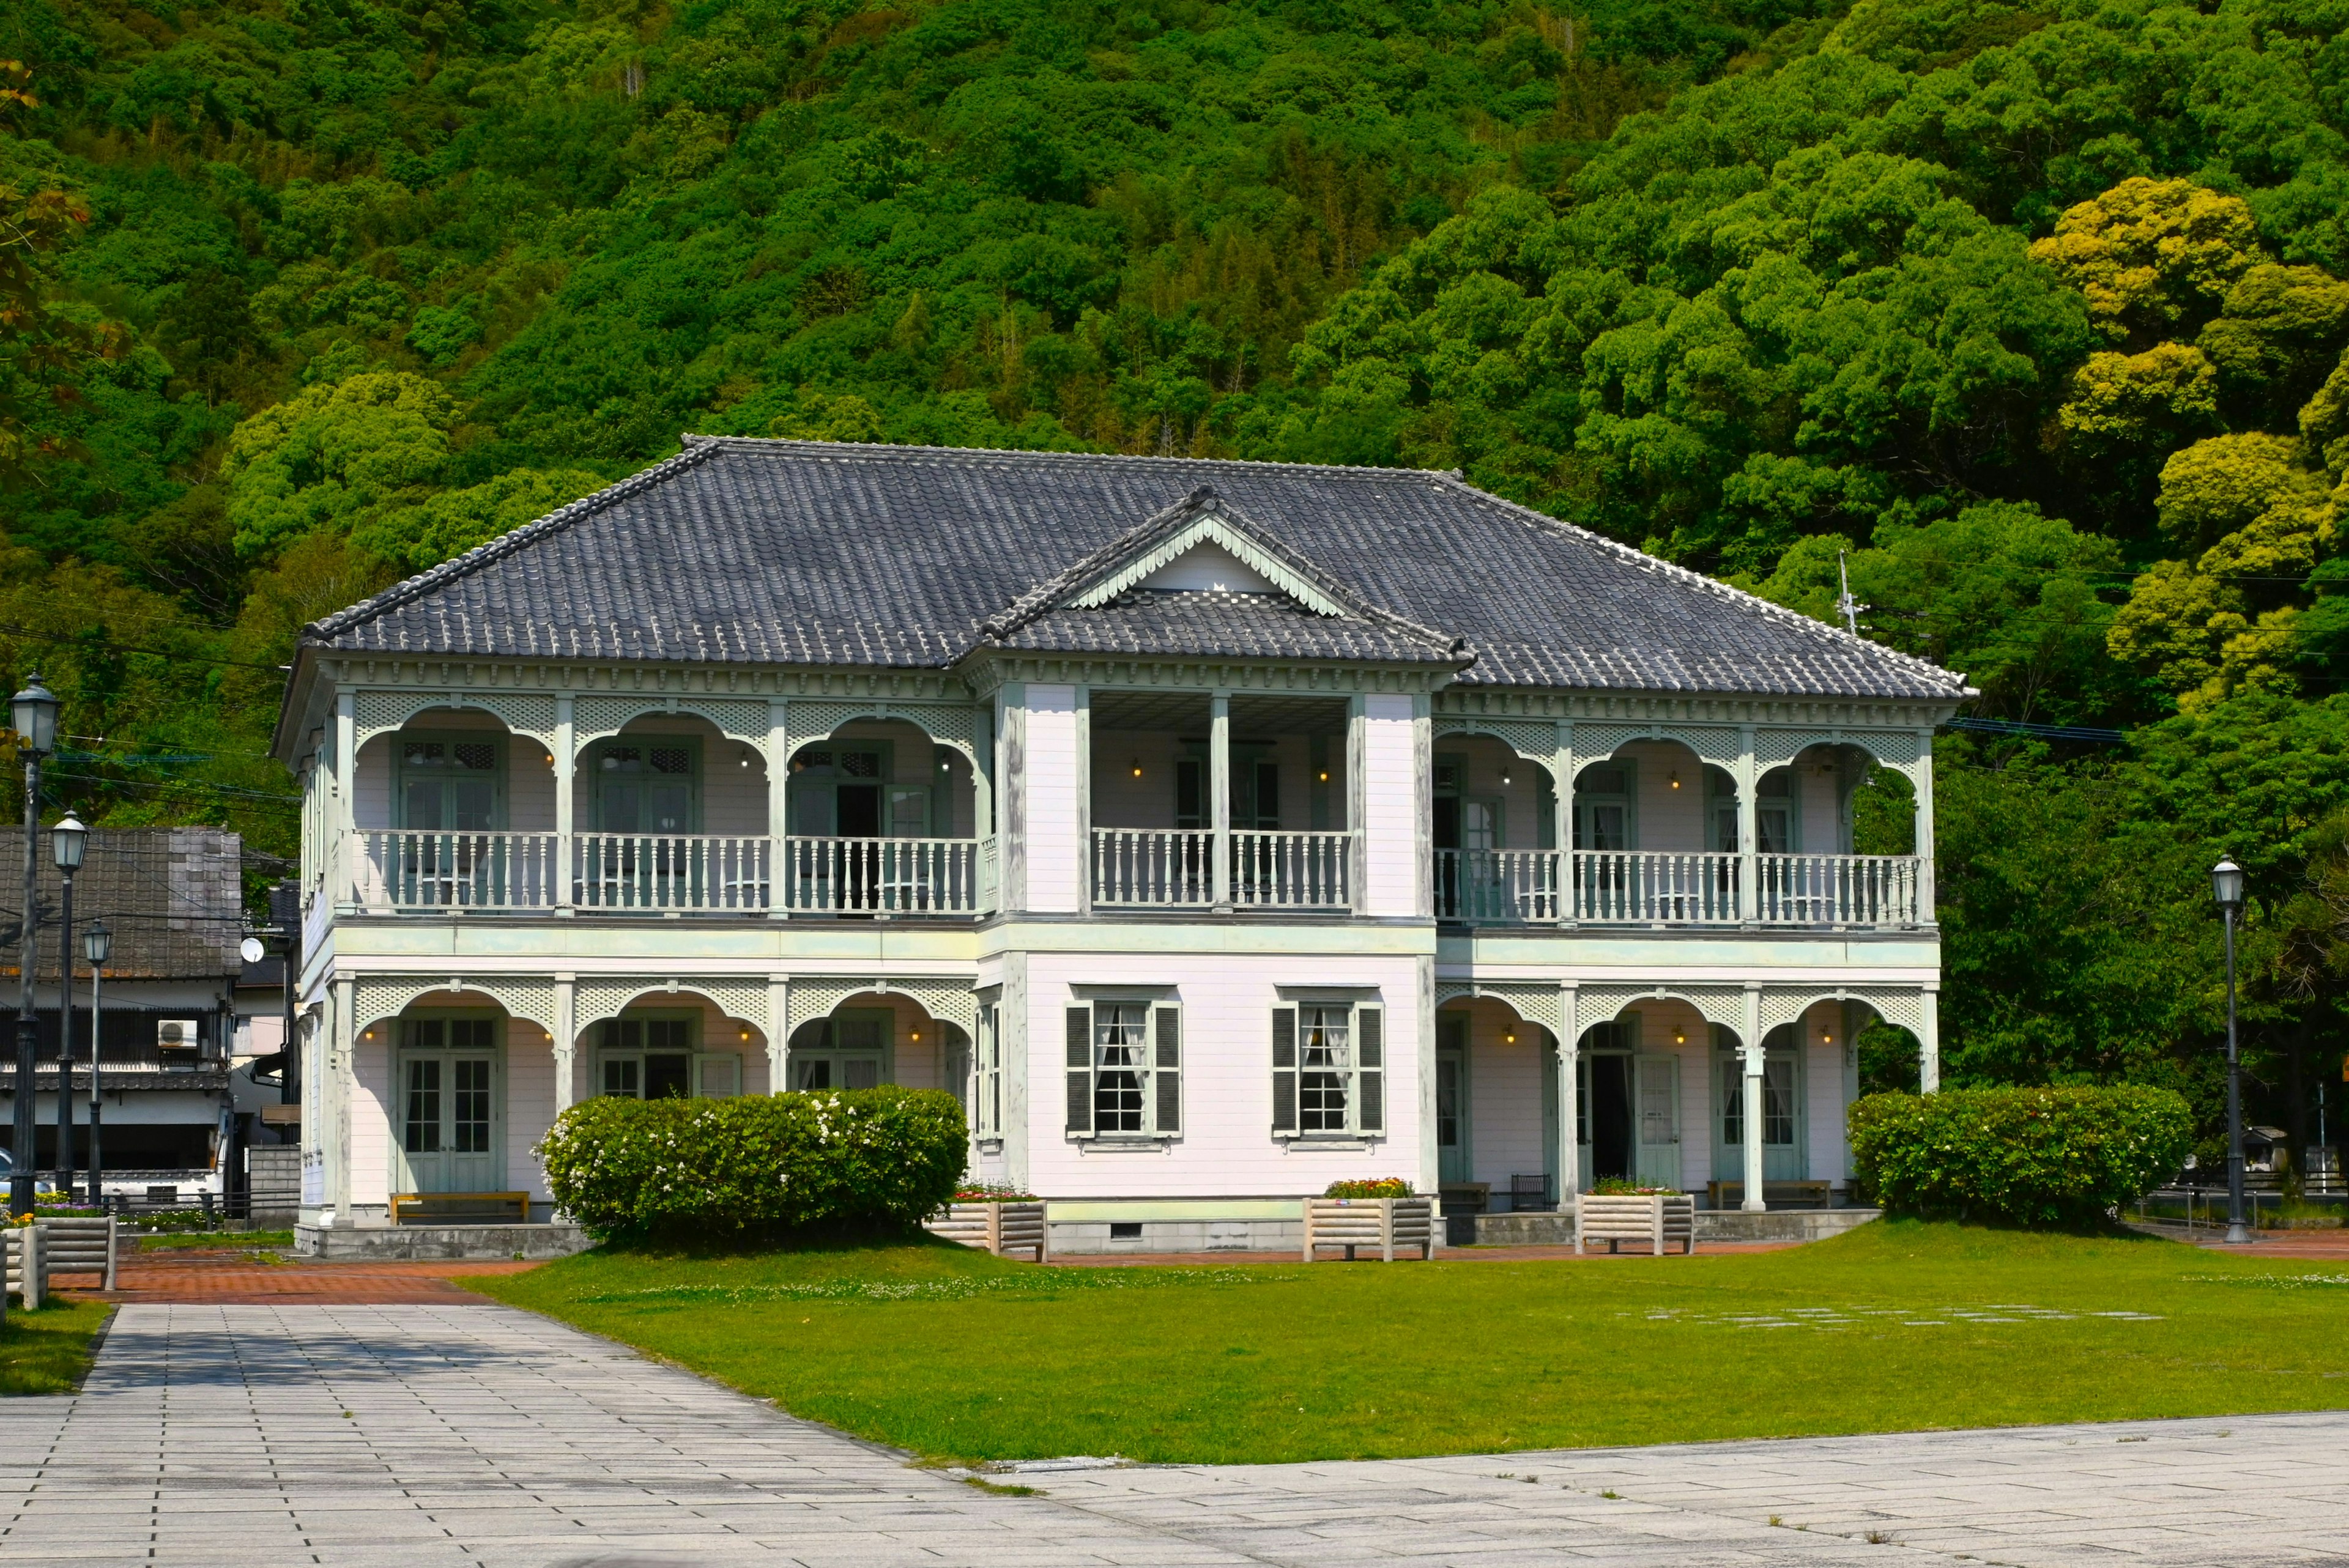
(1898,1325)
(50,1351)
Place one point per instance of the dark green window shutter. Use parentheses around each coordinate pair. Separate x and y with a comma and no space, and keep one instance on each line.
(1081,1070)
(1284,1070)
(1168,1068)
(1369,1064)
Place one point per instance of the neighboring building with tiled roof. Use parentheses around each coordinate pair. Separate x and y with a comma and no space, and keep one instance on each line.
(1276,822)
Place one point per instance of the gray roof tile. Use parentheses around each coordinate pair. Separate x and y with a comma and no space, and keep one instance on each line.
(744,551)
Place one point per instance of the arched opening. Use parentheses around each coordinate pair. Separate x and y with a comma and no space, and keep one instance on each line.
(1490,807)
(670,815)
(1496,1109)
(881,819)
(677,1045)
(456,1092)
(880,1037)
(453,810)
(1639,1081)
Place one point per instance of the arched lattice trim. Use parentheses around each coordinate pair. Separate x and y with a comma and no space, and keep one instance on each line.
(1534,1001)
(1711,742)
(948,723)
(1533,741)
(1785,1007)
(1723,1005)
(593,1001)
(377,713)
(948,1001)
(1453,991)
(1896,748)
(380,997)
(597,718)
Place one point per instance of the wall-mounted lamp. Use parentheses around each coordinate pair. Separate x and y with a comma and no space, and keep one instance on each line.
(914,1034)
(742,759)
(1505,778)
(1673,779)
(746,1036)
(1509,1037)
(368,1035)
(1826,1037)
(1325,775)
(1680,1036)
(1137,767)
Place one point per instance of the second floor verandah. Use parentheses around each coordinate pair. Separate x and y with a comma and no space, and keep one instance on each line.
(1240,804)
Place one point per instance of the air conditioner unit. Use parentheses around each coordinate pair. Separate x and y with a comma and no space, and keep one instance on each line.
(177,1034)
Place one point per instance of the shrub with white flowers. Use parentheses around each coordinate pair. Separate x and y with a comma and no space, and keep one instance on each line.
(671,1169)
(2032,1156)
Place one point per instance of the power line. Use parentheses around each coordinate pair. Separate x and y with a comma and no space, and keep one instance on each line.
(27,632)
(2042,731)
(173,784)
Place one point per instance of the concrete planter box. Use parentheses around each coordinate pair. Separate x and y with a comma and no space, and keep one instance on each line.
(352,1243)
(997,1227)
(1656,1220)
(1385,1223)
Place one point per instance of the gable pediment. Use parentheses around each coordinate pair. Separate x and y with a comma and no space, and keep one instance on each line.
(1206,554)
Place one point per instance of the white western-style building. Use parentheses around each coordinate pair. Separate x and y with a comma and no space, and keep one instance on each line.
(1213,830)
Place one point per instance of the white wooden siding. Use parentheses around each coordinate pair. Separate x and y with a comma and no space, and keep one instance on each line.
(1821,782)
(1055,859)
(1227,1148)
(1504,1096)
(1391,826)
(369,1146)
(1121,801)
(1670,819)
(530,1105)
(1823,1090)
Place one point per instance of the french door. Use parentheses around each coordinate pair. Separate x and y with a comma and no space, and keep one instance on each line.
(451,1107)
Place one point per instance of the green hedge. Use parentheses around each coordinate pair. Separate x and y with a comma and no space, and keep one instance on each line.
(2034,1156)
(761,1163)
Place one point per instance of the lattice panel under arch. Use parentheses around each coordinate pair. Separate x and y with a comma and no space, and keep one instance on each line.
(1893,748)
(521,997)
(1452,991)
(814,999)
(948,1001)
(1532,1001)
(1722,1004)
(1774,747)
(945,723)
(377,713)
(599,718)
(1534,742)
(593,1001)
(1593,741)
(1782,1008)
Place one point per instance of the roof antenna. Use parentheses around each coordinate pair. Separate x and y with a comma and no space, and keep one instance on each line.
(1846,605)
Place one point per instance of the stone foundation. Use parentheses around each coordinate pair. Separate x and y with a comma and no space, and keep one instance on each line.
(333,1243)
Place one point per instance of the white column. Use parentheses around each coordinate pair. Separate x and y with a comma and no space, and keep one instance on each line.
(1569,1091)
(1219,790)
(1749,840)
(1357,867)
(778,1031)
(1084,770)
(1929,1040)
(341,1062)
(1922,778)
(1422,806)
(1751,1055)
(566,778)
(1562,834)
(341,811)
(567,1042)
(1011,793)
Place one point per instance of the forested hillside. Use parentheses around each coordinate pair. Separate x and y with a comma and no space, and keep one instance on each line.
(2038,312)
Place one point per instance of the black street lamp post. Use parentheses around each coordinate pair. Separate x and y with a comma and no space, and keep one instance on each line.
(68,839)
(2227,890)
(33,714)
(96,945)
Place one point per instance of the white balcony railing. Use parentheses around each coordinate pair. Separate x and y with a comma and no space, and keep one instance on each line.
(881,876)
(1839,889)
(672,872)
(1672,887)
(407,869)
(1292,870)
(1153,868)
(1654,887)
(662,874)
(1496,886)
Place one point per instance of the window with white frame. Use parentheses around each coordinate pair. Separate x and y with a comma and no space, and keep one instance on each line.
(1328,1069)
(656,1057)
(988,1118)
(1125,1065)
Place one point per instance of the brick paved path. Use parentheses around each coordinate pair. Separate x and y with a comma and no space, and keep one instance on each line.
(226,1278)
(429,1435)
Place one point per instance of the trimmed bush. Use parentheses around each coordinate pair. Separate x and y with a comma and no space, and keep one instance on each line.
(2034,1156)
(675,1167)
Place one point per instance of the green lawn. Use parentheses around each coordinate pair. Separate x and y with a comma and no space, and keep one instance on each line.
(46,1352)
(957,1354)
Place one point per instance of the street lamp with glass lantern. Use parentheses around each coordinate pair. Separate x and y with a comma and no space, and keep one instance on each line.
(96,945)
(68,839)
(33,713)
(2226,891)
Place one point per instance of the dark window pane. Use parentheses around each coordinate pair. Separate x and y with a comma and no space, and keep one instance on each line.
(667,1076)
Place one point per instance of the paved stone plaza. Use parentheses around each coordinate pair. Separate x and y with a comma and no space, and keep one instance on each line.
(428,1434)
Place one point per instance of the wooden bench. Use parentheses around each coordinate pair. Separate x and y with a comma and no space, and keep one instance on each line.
(1777,1195)
(460,1207)
(1656,1219)
(1385,1223)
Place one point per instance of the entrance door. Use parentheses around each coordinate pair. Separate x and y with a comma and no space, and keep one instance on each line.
(1452,1097)
(1613,1151)
(1658,1084)
(450,1107)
